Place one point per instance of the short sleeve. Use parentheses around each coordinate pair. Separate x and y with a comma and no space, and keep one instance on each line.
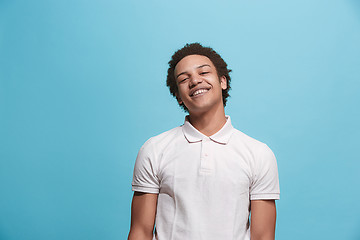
(265,179)
(145,177)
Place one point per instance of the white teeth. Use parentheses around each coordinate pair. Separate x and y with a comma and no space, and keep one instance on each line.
(199,91)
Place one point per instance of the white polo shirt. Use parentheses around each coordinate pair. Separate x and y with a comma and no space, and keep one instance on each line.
(205,184)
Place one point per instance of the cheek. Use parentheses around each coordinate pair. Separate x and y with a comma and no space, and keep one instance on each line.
(182,89)
(180,94)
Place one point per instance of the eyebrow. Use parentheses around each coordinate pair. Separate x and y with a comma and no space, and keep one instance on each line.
(201,66)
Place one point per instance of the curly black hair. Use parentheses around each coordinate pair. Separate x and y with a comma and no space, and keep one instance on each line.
(197,49)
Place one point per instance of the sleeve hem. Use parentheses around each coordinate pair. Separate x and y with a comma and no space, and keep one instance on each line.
(274,196)
(145,189)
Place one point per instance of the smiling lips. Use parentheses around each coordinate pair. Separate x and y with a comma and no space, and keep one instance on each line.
(199,91)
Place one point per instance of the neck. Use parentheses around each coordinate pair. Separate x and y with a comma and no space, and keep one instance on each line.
(208,123)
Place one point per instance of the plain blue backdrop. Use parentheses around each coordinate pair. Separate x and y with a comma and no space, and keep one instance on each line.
(82,87)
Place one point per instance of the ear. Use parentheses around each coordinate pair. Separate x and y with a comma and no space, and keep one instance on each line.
(223,82)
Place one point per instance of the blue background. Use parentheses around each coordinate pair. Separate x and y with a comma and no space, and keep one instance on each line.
(82,87)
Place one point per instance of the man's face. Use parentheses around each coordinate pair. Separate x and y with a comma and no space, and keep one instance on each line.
(199,86)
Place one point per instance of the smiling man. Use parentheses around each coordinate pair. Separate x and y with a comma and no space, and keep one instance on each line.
(202,180)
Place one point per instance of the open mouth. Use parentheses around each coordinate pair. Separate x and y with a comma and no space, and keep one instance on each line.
(200,91)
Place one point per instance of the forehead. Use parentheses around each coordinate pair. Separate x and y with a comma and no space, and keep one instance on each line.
(191,62)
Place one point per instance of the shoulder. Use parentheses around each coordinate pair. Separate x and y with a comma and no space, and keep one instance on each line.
(150,150)
(239,137)
(162,139)
(256,150)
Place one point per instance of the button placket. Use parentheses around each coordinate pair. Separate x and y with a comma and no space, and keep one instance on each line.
(205,156)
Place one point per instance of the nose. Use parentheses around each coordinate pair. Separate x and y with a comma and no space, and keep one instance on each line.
(195,80)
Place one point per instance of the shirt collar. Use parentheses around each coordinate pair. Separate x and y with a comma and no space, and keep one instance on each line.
(193,135)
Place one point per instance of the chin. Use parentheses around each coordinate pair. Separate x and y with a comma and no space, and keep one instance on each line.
(199,109)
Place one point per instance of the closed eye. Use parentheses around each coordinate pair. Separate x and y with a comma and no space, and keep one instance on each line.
(183,80)
(203,73)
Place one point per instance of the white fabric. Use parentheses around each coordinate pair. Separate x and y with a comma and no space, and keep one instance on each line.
(205,184)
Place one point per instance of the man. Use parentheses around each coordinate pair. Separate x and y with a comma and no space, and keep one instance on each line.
(201,180)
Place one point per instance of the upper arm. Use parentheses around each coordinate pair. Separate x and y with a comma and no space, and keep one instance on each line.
(263,219)
(146,187)
(145,177)
(143,211)
(264,179)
